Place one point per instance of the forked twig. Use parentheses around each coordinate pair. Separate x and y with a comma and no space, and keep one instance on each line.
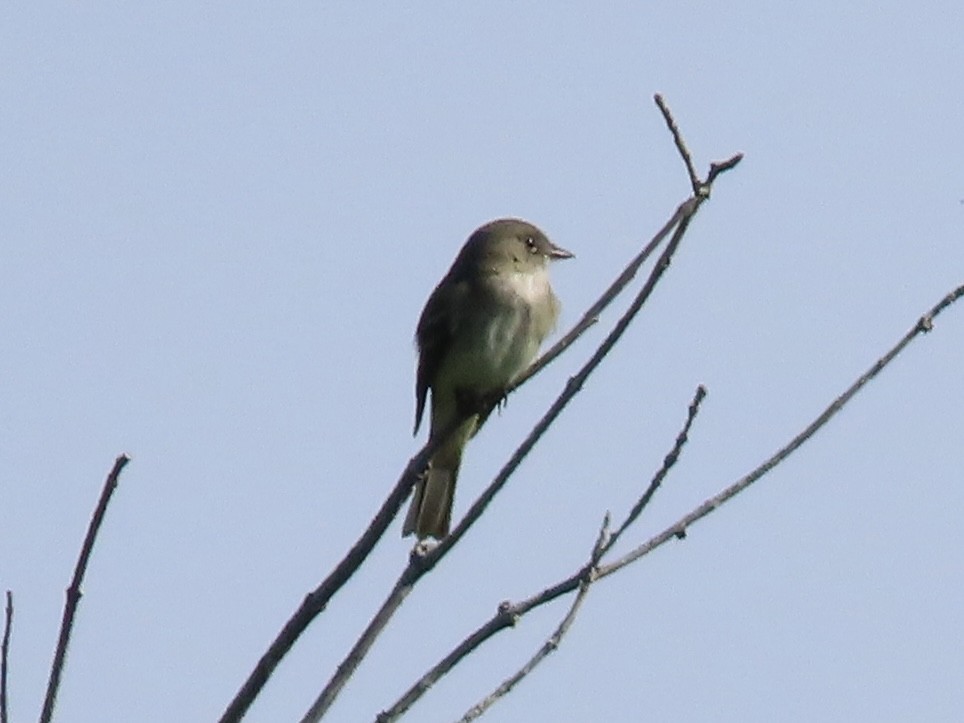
(508,614)
(552,644)
(680,527)
(589,572)
(669,461)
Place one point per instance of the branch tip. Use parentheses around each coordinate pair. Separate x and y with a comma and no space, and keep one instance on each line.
(700,189)
(74,592)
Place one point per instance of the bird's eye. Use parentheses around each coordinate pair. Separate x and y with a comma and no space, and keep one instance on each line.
(531,245)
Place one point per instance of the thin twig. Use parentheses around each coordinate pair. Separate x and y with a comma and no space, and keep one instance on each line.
(508,614)
(680,527)
(4,653)
(591,316)
(668,462)
(403,586)
(721,167)
(695,183)
(573,386)
(552,644)
(317,600)
(74,593)
(701,190)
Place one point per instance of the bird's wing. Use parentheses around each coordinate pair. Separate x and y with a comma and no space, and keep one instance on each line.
(436,328)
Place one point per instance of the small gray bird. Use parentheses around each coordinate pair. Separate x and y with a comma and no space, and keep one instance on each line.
(480,329)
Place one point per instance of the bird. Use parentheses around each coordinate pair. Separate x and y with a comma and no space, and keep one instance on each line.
(481,328)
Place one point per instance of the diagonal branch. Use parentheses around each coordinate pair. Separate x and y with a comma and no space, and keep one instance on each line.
(591,316)
(74,593)
(317,600)
(508,615)
(679,528)
(668,463)
(573,386)
(552,644)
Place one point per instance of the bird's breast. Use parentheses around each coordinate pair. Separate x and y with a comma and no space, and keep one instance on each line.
(498,339)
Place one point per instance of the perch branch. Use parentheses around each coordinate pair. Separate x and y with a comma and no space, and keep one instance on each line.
(508,614)
(552,644)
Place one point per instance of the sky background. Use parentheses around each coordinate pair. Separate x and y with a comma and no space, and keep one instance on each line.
(221,221)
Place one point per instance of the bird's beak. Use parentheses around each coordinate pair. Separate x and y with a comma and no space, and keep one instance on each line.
(556,252)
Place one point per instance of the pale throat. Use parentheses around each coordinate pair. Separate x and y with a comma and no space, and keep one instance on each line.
(532,285)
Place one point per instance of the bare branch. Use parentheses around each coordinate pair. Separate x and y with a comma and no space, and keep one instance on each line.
(508,615)
(701,190)
(552,644)
(316,601)
(679,528)
(592,313)
(74,593)
(573,386)
(668,462)
(348,666)
(4,653)
(684,153)
(721,167)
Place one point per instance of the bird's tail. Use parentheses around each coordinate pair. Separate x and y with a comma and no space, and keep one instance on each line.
(430,513)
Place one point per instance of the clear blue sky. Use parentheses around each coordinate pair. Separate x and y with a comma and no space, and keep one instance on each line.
(220,223)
